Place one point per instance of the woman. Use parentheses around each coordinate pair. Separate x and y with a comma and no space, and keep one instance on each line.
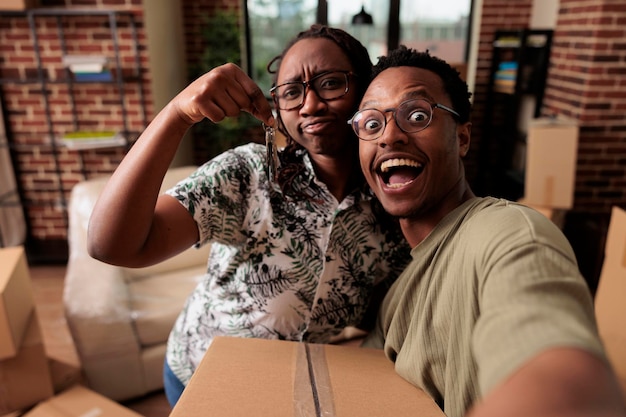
(295,260)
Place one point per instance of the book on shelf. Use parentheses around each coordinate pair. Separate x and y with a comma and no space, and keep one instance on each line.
(93,76)
(85,63)
(88,139)
(88,67)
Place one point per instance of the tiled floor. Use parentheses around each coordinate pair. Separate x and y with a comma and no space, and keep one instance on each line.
(48,292)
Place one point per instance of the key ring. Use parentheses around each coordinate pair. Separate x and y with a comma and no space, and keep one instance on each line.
(271,153)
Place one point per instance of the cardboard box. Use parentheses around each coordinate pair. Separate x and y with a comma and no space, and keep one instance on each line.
(25,379)
(551,154)
(611,292)
(18,4)
(16,300)
(65,375)
(79,401)
(256,377)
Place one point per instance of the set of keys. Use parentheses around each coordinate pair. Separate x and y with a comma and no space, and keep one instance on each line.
(272,153)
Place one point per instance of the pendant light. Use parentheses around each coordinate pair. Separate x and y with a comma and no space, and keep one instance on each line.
(362,18)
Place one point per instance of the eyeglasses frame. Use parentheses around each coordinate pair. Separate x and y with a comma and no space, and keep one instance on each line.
(307,84)
(393,111)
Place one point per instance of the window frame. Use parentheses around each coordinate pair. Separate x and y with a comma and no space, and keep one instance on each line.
(393,28)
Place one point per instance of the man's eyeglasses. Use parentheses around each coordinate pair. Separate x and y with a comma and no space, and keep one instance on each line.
(411,116)
(328,86)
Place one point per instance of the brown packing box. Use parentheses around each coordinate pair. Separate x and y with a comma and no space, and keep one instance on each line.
(25,379)
(79,401)
(16,299)
(18,4)
(611,294)
(552,149)
(64,374)
(256,377)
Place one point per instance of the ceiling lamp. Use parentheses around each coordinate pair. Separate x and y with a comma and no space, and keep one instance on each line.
(362,18)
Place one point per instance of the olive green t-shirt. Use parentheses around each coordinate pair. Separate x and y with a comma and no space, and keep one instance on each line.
(493,284)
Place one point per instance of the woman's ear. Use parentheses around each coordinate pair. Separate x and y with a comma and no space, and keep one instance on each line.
(464,133)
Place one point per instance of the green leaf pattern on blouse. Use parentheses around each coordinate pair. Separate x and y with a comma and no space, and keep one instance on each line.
(281,267)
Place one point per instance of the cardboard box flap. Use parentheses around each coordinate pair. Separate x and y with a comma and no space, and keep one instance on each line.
(257,377)
(16,299)
(79,401)
(610,299)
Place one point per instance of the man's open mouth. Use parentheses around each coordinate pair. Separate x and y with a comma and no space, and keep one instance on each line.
(399,172)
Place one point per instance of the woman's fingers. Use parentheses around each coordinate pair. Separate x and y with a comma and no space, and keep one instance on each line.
(225,91)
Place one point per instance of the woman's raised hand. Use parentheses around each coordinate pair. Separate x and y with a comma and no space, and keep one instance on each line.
(224,91)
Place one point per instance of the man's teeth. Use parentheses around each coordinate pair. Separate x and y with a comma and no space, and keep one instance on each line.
(398,162)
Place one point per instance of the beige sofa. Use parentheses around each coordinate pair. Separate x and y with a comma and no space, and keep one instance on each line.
(120,318)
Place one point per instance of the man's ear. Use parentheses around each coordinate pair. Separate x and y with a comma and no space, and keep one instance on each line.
(464,133)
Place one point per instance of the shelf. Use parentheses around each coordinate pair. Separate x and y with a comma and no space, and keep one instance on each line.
(507,43)
(92,140)
(518,74)
(58,78)
(112,80)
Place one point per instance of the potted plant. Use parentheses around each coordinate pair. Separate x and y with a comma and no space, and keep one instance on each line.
(221,35)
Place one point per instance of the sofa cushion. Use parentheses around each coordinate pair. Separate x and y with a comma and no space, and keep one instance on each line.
(156,301)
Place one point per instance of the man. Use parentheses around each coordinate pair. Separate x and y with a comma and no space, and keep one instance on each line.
(492,317)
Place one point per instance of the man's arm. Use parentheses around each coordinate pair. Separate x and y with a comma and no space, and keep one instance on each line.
(563,382)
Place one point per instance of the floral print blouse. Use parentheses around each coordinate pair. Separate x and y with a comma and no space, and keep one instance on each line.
(281,267)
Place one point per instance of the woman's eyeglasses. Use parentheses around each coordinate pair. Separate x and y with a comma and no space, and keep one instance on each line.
(410,116)
(328,86)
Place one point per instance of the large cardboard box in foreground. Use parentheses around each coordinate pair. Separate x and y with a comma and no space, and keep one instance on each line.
(79,401)
(551,154)
(610,299)
(245,377)
(16,300)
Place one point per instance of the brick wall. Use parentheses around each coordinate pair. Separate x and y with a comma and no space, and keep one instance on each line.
(587,82)
(46,170)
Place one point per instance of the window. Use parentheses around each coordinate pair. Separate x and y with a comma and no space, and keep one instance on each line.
(445,26)
(440,26)
(271,24)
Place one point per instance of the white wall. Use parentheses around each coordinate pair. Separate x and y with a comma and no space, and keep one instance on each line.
(472,59)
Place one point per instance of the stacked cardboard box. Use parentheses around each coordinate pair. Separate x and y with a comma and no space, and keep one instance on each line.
(24,373)
(241,377)
(28,378)
(16,301)
(550,172)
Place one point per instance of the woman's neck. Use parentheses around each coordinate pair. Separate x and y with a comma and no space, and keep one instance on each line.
(341,176)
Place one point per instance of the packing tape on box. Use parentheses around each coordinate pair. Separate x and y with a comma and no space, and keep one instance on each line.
(312,394)
(548,191)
